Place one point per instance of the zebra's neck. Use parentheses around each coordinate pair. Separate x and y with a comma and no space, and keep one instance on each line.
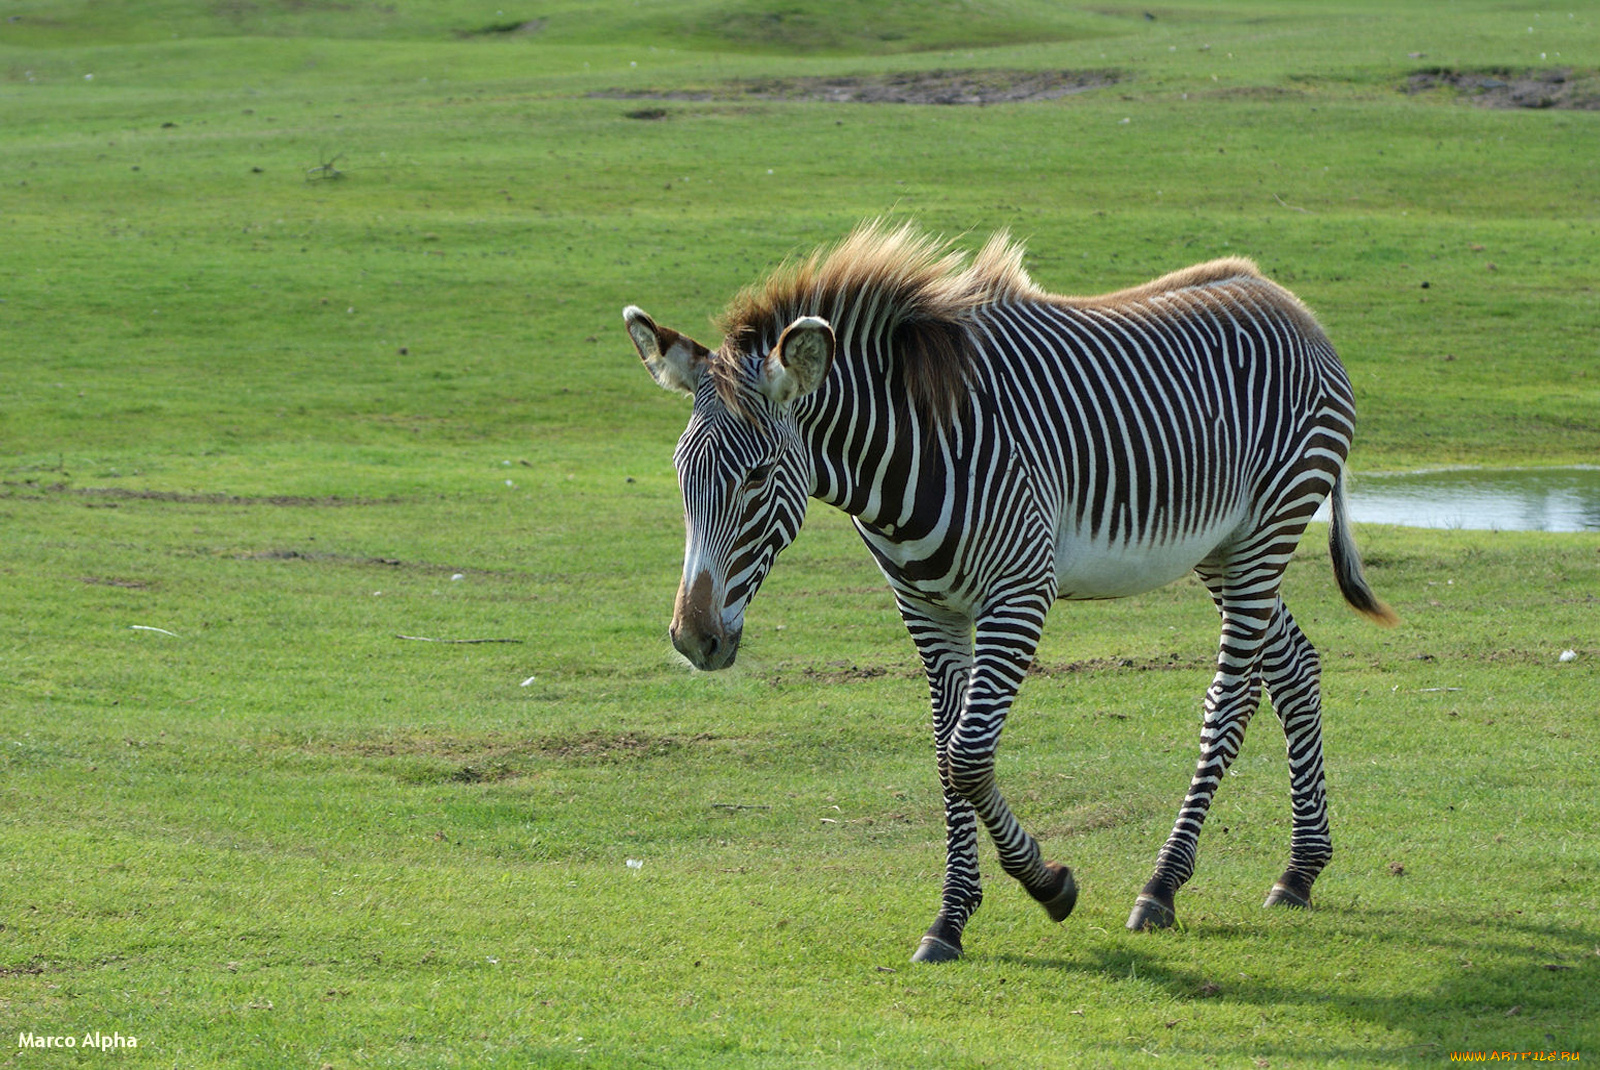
(871,453)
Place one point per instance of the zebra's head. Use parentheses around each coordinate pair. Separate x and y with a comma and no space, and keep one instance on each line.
(743,470)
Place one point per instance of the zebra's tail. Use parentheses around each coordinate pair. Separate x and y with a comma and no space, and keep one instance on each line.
(1347,568)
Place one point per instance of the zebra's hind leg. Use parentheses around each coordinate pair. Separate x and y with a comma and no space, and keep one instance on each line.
(1291,671)
(1230,701)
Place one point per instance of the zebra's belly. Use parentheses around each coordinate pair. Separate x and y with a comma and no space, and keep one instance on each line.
(1090,568)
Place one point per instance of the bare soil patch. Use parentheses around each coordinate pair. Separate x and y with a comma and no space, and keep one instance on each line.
(114,581)
(839,672)
(419,756)
(315,555)
(843,672)
(604,747)
(490,755)
(972,87)
(1252,92)
(123,494)
(1500,87)
(1169,663)
(515,27)
(31,969)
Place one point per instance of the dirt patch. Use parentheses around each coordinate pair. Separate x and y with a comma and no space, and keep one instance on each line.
(481,774)
(318,556)
(843,672)
(991,86)
(602,747)
(1253,92)
(113,581)
(839,672)
(323,557)
(31,969)
(514,28)
(1093,818)
(1172,662)
(115,494)
(1500,87)
(497,756)
(420,757)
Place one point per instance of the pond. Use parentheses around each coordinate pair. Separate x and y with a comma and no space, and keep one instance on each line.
(1480,499)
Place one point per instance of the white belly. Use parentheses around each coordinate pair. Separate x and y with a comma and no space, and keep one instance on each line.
(1087,568)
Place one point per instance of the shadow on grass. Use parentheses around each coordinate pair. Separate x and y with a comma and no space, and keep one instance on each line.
(1483,982)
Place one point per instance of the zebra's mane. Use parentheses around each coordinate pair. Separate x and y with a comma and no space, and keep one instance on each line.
(881,280)
(914,289)
(1213,281)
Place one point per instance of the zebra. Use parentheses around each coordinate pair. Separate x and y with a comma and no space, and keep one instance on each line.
(1000,448)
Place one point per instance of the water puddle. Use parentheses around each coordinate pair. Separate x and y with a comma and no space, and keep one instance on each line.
(1480,499)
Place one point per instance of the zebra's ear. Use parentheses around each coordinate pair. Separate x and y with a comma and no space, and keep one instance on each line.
(674,360)
(799,362)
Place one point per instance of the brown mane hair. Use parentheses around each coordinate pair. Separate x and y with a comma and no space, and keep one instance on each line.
(1184,285)
(914,287)
(880,279)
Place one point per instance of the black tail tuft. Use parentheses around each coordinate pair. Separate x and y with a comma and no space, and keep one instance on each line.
(1347,569)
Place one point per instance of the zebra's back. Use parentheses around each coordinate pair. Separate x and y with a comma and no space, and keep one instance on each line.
(1159,422)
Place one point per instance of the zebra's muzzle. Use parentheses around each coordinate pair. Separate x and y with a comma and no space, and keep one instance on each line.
(698,631)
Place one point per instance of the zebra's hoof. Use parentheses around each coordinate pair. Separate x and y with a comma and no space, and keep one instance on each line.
(933,949)
(1284,896)
(1151,913)
(1059,899)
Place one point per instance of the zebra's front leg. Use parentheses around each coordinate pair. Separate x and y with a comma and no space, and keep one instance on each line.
(962,893)
(965,802)
(944,641)
(1006,641)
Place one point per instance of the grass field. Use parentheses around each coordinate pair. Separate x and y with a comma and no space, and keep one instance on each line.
(309,315)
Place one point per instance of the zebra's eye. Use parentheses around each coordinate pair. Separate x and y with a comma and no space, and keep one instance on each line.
(758,476)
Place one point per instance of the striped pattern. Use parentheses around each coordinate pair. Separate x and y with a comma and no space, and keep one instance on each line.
(1001,448)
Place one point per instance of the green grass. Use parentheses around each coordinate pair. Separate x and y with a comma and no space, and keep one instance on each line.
(278,416)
